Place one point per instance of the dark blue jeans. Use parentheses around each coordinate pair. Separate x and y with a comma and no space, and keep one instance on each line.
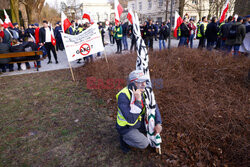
(191,39)
(125,42)
(223,45)
(236,49)
(210,45)
(183,41)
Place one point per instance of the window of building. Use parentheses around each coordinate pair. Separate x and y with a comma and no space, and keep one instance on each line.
(194,1)
(133,6)
(160,3)
(193,17)
(149,4)
(159,20)
(140,5)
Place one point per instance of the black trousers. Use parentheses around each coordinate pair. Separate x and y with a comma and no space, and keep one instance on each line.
(202,42)
(49,47)
(133,44)
(149,42)
(119,45)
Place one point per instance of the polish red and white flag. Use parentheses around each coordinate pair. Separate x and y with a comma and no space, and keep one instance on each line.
(224,11)
(7,21)
(1,22)
(65,22)
(177,22)
(87,16)
(130,16)
(53,40)
(118,11)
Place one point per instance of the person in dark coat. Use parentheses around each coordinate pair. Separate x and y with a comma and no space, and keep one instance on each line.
(150,31)
(211,33)
(45,39)
(16,28)
(163,34)
(4,48)
(124,35)
(235,41)
(7,36)
(133,39)
(29,31)
(59,42)
(20,47)
(184,33)
(156,30)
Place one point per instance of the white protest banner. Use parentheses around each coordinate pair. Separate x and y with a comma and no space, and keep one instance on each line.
(84,44)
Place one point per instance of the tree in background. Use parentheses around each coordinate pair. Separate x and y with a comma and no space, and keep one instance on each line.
(181,7)
(50,14)
(33,9)
(14,6)
(242,7)
(216,7)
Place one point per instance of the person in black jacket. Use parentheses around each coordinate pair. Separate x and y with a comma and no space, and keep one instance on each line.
(211,33)
(184,33)
(124,35)
(59,42)
(29,31)
(45,39)
(133,39)
(4,48)
(150,31)
(20,47)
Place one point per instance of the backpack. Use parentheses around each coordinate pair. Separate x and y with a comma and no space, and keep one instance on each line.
(232,32)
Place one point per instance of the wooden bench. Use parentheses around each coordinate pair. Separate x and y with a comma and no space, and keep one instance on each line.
(23,54)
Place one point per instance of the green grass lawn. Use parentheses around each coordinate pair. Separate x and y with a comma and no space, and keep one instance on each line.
(48,120)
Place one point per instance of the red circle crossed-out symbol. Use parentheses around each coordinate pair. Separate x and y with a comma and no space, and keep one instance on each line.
(85,49)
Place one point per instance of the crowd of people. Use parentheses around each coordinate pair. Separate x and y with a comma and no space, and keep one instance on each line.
(215,35)
(149,31)
(211,34)
(15,39)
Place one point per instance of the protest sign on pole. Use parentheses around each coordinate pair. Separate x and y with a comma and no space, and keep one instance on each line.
(84,44)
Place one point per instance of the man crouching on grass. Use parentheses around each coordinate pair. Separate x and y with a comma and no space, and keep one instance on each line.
(131,113)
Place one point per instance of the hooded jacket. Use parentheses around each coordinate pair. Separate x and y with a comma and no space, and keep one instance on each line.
(240,35)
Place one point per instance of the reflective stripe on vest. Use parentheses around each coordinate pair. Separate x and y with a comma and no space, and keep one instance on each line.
(121,121)
(179,31)
(199,30)
(219,33)
(116,31)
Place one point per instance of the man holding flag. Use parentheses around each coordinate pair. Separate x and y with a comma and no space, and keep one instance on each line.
(131,113)
(118,28)
(46,38)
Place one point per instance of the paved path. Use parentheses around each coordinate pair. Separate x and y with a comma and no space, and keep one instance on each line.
(63,62)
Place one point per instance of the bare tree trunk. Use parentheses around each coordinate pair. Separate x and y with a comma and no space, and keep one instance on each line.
(29,14)
(181,7)
(167,1)
(14,6)
(33,9)
(242,7)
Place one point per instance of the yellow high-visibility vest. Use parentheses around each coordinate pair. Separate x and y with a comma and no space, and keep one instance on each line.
(199,30)
(121,121)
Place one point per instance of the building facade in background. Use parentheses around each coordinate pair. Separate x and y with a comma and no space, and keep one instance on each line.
(100,11)
(156,9)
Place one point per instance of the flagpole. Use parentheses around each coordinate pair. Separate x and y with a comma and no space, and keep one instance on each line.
(171,20)
(71,70)
(105,56)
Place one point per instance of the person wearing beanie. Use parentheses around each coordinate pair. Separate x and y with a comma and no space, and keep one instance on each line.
(131,113)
